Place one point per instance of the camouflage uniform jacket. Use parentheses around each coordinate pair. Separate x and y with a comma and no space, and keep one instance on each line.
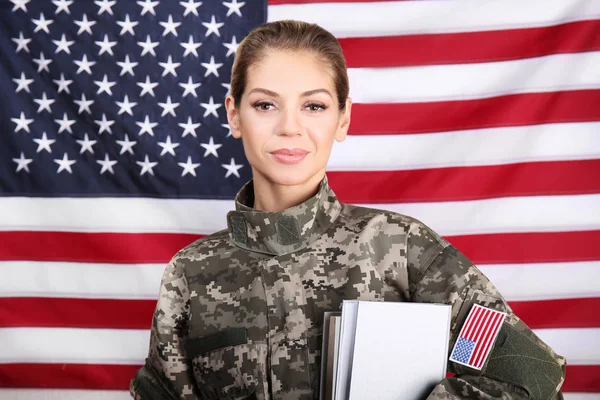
(240,312)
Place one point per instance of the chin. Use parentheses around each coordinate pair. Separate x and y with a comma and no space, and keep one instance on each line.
(290,176)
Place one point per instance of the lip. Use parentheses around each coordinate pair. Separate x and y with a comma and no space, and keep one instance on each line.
(289,156)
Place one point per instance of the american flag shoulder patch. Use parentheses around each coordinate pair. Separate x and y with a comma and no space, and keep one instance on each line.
(476,337)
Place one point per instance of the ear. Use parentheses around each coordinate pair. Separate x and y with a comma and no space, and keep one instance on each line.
(233,117)
(344,122)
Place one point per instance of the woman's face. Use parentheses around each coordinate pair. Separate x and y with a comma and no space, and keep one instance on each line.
(288,118)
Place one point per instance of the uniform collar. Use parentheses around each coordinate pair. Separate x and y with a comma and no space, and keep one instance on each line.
(285,231)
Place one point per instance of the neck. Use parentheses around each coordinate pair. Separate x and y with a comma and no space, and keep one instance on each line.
(273,197)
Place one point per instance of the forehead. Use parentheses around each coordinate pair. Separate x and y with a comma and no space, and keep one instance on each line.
(298,70)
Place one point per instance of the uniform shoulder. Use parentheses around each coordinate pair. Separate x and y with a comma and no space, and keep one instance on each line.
(391,221)
(216,242)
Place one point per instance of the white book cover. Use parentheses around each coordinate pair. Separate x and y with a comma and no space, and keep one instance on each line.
(392,350)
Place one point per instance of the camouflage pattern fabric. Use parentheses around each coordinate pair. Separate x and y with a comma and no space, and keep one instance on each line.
(271,276)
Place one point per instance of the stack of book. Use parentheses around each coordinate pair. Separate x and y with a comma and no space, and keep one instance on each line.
(384,350)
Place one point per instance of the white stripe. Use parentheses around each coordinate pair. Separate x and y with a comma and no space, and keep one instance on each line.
(413,17)
(521,282)
(579,346)
(516,282)
(130,346)
(85,280)
(63,394)
(510,214)
(491,146)
(474,81)
(74,345)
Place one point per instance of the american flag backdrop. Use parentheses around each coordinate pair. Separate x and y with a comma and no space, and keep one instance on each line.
(482,119)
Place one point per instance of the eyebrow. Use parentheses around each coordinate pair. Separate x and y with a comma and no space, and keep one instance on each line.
(305,94)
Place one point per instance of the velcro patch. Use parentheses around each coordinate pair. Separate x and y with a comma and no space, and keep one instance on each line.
(477,336)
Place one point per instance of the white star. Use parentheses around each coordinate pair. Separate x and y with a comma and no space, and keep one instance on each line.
(22,162)
(64,164)
(22,83)
(211,67)
(227,86)
(232,168)
(105,46)
(22,42)
(44,103)
(105,86)
(127,66)
(85,25)
(148,6)
(65,124)
(126,106)
(84,104)
(42,63)
(190,47)
(147,87)
(86,144)
(211,147)
(22,123)
(226,126)
(168,107)
(189,127)
(146,126)
(84,65)
(188,167)
(168,146)
(20,4)
(63,45)
(62,5)
(127,26)
(190,87)
(63,84)
(211,107)
(104,124)
(169,67)
(233,7)
(231,47)
(105,5)
(44,143)
(170,26)
(148,46)
(42,24)
(126,145)
(146,166)
(191,6)
(213,27)
(107,164)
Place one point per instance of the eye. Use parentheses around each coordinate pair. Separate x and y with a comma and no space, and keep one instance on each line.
(316,107)
(262,105)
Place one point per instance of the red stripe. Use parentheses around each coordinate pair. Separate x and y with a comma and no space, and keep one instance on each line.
(566,313)
(478,321)
(467,183)
(471,322)
(137,314)
(580,378)
(487,341)
(67,376)
(92,247)
(479,333)
(471,47)
(507,110)
(541,247)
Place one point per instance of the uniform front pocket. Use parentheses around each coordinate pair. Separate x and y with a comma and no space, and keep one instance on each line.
(231,372)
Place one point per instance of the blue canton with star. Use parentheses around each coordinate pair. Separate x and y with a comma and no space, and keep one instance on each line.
(463,350)
(120,98)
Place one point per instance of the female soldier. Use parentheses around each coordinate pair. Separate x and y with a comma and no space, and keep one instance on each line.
(240,311)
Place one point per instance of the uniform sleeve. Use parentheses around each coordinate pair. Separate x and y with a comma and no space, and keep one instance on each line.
(520,365)
(166,373)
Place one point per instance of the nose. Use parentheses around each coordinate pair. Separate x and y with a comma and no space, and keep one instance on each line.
(290,123)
